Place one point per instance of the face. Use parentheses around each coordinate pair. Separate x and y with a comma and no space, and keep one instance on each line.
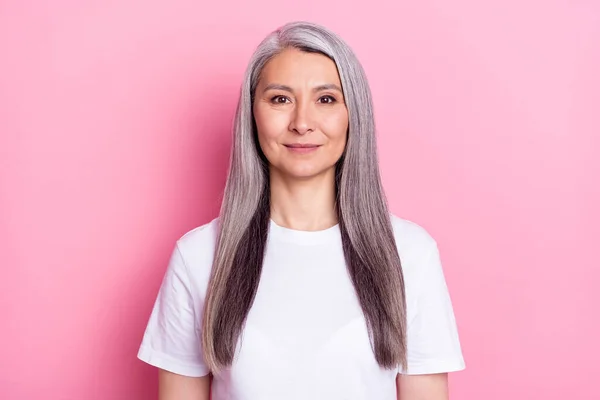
(300,114)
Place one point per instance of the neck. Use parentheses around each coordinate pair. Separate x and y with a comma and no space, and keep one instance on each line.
(303,204)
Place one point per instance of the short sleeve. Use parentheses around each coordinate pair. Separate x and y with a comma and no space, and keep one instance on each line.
(171,340)
(433,344)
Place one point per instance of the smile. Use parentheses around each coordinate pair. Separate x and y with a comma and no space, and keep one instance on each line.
(302,148)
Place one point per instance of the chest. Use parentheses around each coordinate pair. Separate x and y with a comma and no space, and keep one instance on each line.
(306,326)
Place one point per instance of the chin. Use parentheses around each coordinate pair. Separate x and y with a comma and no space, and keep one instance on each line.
(305,172)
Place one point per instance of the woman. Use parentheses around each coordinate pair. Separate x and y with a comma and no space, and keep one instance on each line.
(305,287)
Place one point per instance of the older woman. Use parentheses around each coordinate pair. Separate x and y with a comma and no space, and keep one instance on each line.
(305,286)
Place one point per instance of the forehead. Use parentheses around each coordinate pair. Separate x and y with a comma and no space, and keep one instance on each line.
(293,66)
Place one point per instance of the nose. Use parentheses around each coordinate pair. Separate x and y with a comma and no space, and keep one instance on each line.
(302,119)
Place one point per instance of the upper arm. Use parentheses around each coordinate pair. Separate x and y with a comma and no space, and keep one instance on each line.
(171,340)
(422,387)
(172,386)
(433,345)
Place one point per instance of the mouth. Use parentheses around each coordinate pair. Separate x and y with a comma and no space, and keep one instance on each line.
(302,147)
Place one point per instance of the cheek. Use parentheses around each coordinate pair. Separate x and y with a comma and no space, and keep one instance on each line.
(337,127)
(269,125)
(263,128)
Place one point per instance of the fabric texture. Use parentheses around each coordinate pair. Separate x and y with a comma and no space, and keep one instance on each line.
(305,335)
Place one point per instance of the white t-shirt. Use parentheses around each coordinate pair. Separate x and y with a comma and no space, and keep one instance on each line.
(305,336)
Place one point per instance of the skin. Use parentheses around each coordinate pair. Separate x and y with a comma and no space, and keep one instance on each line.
(299,99)
(178,387)
(422,387)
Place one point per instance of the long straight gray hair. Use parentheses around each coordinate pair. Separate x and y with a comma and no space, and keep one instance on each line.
(366,231)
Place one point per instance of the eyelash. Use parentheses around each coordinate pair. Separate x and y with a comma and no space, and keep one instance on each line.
(275,98)
(333,99)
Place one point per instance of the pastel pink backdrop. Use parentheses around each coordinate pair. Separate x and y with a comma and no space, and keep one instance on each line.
(115,117)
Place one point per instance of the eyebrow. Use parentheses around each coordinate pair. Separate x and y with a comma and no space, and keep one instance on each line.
(320,88)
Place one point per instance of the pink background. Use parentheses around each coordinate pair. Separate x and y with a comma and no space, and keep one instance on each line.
(114,121)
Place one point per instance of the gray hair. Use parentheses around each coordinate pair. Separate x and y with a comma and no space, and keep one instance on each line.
(367,235)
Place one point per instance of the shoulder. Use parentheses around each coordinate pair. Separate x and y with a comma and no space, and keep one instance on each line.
(411,238)
(201,236)
(197,248)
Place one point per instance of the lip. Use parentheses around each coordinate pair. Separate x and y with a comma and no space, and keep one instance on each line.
(301,145)
(302,148)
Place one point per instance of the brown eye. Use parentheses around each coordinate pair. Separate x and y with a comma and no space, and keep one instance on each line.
(327,99)
(279,99)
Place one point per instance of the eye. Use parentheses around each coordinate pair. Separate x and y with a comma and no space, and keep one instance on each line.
(327,99)
(279,99)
